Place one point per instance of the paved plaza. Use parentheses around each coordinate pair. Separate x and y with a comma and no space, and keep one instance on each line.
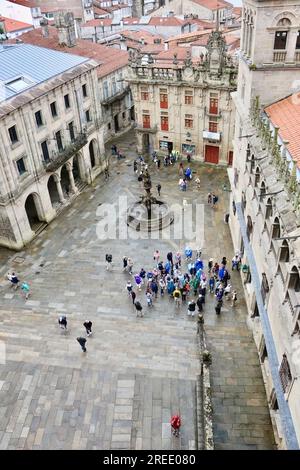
(137,372)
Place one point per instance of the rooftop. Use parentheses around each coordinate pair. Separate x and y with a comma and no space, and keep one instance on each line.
(214,4)
(25,3)
(24,66)
(165,21)
(97,22)
(111,59)
(11,26)
(286,115)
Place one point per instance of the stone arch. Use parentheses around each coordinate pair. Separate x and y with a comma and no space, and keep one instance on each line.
(65,178)
(276,230)
(294,279)
(257,176)
(288,15)
(249,227)
(284,253)
(269,208)
(52,189)
(262,189)
(34,211)
(93,152)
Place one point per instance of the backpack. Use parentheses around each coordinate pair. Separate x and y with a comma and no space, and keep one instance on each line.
(138,305)
(108,258)
(216,199)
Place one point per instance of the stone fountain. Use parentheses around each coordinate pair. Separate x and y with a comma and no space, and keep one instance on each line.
(149,214)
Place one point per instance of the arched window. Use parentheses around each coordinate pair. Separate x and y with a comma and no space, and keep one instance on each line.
(252,164)
(248,151)
(284,22)
(249,227)
(269,208)
(284,255)
(276,228)
(257,176)
(294,280)
(262,190)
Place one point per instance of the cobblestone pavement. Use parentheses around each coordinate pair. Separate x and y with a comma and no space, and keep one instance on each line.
(137,372)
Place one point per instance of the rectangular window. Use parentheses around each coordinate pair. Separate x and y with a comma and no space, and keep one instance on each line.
(105,90)
(67,101)
(144,96)
(213,103)
(13,134)
(114,87)
(213,124)
(188,97)
(71,131)
(88,116)
(164,122)
(163,98)
(45,151)
(21,166)
(188,121)
(298,40)
(280,39)
(38,118)
(146,120)
(285,373)
(124,115)
(109,126)
(59,141)
(53,109)
(84,91)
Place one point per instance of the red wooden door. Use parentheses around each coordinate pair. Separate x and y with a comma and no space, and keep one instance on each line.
(211,154)
(230,157)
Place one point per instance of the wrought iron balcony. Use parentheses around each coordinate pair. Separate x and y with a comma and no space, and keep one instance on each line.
(116,96)
(143,128)
(62,157)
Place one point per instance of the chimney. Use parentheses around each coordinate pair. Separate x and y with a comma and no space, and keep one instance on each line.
(44,27)
(142,41)
(166,46)
(64,22)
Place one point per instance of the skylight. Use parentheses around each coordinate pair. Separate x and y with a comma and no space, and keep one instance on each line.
(19,84)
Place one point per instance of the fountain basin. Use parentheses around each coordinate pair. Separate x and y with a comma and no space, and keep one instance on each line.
(152,218)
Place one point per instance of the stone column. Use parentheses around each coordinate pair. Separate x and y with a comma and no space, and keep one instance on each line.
(71,178)
(60,191)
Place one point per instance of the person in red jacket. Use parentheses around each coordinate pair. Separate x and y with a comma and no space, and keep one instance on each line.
(175,423)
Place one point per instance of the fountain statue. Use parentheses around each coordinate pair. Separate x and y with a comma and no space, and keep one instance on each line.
(149,213)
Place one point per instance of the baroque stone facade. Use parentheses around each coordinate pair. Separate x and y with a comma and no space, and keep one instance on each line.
(264,211)
(184,103)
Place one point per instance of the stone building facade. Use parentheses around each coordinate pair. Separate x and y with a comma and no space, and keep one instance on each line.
(265,200)
(50,145)
(185,104)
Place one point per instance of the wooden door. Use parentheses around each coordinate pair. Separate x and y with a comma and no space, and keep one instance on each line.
(211,154)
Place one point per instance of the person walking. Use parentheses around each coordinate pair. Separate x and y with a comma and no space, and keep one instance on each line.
(62,321)
(82,342)
(154,287)
(170,257)
(149,299)
(233,298)
(135,167)
(156,256)
(211,283)
(130,265)
(227,291)
(214,200)
(25,289)
(162,286)
(108,259)
(139,309)
(218,307)
(158,163)
(200,303)
(125,263)
(191,308)
(129,287)
(176,295)
(138,281)
(15,282)
(88,326)
(133,296)
(175,423)
(209,198)
(158,187)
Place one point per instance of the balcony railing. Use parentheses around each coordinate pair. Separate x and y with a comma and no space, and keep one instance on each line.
(297,56)
(279,56)
(116,96)
(62,157)
(142,128)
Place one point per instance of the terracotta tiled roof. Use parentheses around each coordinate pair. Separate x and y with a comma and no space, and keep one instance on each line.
(152,49)
(13,25)
(25,3)
(111,59)
(286,115)
(97,22)
(132,20)
(165,21)
(139,35)
(202,24)
(100,11)
(185,37)
(213,4)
